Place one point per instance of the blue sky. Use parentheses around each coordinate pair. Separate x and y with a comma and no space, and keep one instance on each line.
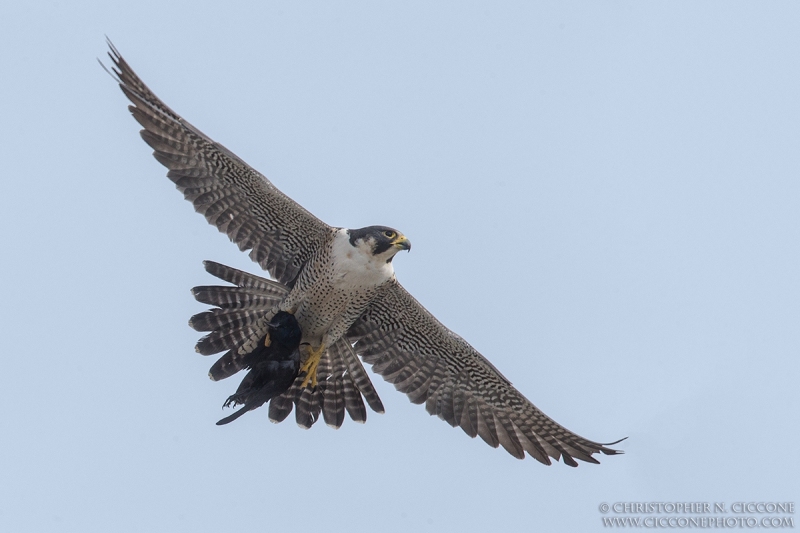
(602,198)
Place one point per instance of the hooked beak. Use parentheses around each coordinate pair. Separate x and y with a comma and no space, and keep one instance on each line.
(402,243)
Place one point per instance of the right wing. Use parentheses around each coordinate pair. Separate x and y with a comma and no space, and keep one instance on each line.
(411,349)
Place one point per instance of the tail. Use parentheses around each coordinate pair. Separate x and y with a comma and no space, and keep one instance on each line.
(234,416)
(240,318)
(239,322)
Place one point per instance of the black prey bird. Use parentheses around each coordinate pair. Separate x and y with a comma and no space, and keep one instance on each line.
(274,364)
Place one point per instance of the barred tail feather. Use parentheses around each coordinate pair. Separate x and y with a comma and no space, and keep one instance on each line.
(238,323)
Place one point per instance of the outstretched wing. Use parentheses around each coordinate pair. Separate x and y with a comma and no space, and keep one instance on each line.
(281,235)
(406,345)
(234,197)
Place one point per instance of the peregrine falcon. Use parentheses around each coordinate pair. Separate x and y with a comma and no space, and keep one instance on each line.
(339,285)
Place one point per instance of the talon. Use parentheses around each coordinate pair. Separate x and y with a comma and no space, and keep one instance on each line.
(232,401)
(267,340)
(310,366)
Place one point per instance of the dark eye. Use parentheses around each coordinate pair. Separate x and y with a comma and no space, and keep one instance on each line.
(389,234)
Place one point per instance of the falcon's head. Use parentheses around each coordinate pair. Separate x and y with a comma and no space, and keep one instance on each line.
(380,241)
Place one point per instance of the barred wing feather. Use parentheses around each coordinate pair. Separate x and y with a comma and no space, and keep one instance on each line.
(410,348)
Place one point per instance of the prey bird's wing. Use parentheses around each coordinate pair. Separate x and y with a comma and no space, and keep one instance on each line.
(411,349)
(233,196)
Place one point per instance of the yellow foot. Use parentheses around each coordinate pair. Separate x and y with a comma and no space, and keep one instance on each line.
(310,366)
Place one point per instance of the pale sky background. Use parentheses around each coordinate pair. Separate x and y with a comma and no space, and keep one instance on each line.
(602,196)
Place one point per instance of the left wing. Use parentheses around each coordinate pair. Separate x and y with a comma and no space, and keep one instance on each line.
(233,196)
(406,345)
(281,234)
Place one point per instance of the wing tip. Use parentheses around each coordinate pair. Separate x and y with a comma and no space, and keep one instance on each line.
(610,451)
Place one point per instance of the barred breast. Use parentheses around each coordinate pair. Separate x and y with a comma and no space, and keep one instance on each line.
(335,288)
